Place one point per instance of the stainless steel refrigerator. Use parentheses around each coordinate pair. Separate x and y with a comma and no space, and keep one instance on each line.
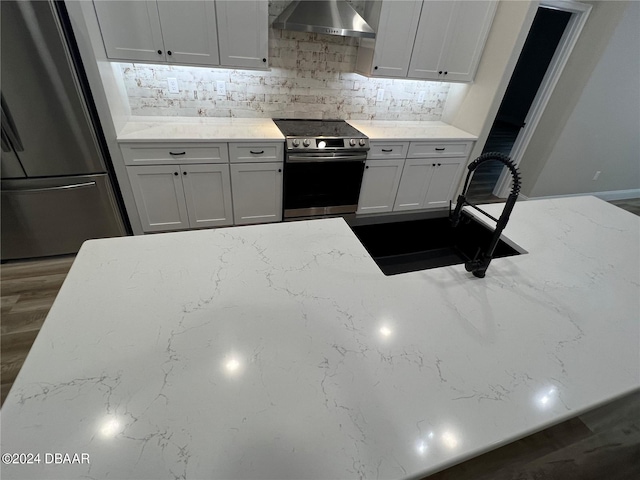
(56,189)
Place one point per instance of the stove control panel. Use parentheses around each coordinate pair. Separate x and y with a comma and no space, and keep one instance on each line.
(326,143)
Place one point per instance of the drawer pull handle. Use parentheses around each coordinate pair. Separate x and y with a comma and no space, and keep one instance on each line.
(257,153)
(175,154)
(439,149)
(387,150)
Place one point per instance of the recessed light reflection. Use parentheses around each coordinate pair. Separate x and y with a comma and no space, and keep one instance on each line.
(322,144)
(422,448)
(385,331)
(232,365)
(444,439)
(110,427)
(449,440)
(546,398)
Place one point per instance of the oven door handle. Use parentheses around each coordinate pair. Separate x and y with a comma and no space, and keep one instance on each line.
(308,158)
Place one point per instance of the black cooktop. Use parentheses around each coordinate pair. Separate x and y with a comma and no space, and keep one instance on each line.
(317,128)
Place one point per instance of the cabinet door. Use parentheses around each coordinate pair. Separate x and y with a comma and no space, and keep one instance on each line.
(207,191)
(257,192)
(159,196)
(379,185)
(395,37)
(414,183)
(243,33)
(468,30)
(443,183)
(189,32)
(130,30)
(429,47)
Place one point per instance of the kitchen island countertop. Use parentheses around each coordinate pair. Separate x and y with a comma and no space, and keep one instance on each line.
(281,350)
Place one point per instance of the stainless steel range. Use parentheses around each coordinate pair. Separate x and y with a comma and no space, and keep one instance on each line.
(324,162)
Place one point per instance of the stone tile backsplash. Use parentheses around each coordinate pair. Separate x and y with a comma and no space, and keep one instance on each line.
(310,76)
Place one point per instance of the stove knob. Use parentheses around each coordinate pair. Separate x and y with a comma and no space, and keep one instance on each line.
(352,142)
(295,142)
(362,142)
(306,142)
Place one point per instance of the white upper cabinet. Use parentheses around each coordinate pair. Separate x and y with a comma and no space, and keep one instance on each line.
(243,33)
(390,53)
(450,39)
(130,30)
(429,40)
(189,32)
(192,32)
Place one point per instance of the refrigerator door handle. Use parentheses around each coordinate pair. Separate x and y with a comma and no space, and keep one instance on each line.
(9,128)
(49,189)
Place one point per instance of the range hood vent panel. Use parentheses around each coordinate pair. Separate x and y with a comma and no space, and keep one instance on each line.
(330,17)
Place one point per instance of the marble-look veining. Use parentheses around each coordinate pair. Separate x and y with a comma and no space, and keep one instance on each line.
(282,352)
(410,130)
(189,129)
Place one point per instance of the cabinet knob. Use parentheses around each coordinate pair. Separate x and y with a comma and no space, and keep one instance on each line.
(375,68)
(367,166)
(440,72)
(159,52)
(184,173)
(175,173)
(433,164)
(279,170)
(168,52)
(446,73)
(439,164)
(264,60)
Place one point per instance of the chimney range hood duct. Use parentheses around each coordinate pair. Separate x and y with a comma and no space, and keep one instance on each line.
(331,17)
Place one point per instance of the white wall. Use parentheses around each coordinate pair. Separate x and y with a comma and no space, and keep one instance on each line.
(602,133)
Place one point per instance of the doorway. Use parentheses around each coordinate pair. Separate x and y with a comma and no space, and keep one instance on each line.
(551,37)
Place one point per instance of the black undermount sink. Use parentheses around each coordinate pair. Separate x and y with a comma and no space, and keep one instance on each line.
(409,246)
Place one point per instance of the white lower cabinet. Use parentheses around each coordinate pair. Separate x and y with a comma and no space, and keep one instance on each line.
(207,191)
(379,185)
(177,197)
(257,192)
(428,183)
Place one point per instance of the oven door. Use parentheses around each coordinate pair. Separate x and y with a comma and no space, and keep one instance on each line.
(322,183)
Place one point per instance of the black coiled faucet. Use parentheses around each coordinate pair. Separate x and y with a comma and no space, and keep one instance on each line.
(478,266)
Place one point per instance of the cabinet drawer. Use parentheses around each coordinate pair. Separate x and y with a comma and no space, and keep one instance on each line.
(174,153)
(255,152)
(438,149)
(388,150)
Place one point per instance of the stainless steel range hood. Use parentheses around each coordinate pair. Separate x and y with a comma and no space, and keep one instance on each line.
(331,17)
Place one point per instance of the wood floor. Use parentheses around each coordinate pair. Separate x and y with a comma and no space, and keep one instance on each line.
(603,444)
(28,289)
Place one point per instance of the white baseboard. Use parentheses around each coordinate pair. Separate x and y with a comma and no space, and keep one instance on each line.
(610,195)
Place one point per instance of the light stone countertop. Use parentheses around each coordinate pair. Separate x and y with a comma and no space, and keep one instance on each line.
(281,350)
(191,129)
(407,131)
